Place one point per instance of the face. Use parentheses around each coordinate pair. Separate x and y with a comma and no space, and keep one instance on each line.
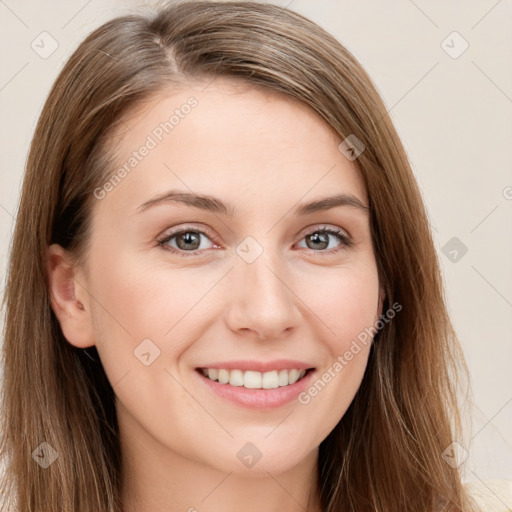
(245,281)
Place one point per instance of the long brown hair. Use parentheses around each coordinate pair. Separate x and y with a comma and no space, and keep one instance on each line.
(385,454)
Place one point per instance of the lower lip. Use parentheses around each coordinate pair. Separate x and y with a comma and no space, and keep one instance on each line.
(258,398)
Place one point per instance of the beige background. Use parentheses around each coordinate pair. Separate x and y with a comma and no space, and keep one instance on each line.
(453,114)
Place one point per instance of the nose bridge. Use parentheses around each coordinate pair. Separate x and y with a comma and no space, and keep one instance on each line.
(262,299)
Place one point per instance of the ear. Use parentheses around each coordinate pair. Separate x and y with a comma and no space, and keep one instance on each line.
(69,298)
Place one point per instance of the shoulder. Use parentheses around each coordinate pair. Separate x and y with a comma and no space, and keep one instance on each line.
(491,495)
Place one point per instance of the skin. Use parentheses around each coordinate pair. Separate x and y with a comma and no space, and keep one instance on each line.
(264,154)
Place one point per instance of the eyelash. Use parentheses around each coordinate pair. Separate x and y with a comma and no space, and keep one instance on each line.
(346,242)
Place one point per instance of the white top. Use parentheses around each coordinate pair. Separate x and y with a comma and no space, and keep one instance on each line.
(491,495)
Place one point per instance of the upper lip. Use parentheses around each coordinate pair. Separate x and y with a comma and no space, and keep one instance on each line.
(259,366)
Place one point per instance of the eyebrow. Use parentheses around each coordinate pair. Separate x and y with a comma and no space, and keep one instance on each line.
(212,204)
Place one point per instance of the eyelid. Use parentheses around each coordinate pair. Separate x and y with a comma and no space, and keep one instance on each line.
(186,227)
(323,227)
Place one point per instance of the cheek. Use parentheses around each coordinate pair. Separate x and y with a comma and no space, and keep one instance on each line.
(354,319)
(357,303)
(146,317)
(140,301)
(344,300)
(137,302)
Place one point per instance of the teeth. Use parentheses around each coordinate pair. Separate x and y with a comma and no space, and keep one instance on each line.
(223,376)
(236,378)
(254,380)
(293,376)
(282,379)
(270,380)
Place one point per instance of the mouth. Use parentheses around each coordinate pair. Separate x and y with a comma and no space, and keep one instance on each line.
(251,379)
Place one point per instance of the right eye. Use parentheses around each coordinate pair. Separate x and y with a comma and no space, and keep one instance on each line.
(184,242)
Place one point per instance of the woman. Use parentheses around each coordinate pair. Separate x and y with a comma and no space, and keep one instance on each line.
(223,289)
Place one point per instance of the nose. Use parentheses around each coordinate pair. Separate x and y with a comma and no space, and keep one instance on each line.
(261,298)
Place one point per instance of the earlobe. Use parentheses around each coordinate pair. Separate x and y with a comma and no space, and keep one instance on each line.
(68,298)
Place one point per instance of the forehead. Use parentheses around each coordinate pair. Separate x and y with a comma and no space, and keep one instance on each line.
(230,137)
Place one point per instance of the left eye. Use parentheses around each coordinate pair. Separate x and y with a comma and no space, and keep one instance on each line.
(189,241)
(321,237)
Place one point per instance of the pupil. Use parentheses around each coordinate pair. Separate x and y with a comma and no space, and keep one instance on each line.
(321,238)
(188,238)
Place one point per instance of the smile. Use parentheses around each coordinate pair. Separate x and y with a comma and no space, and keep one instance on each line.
(250,379)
